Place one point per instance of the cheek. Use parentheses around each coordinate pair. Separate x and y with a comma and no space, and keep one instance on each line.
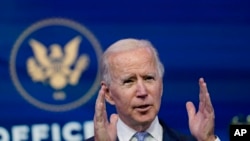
(121,98)
(123,101)
(123,106)
(160,88)
(157,95)
(157,100)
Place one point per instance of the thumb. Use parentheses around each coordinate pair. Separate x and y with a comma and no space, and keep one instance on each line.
(113,120)
(190,110)
(112,127)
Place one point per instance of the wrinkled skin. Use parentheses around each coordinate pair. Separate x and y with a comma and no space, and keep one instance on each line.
(136,91)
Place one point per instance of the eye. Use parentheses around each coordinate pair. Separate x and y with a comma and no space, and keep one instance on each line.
(128,81)
(149,78)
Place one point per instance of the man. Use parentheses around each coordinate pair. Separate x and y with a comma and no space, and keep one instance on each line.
(132,81)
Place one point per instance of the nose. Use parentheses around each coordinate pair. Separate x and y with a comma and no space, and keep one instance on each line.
(141,90)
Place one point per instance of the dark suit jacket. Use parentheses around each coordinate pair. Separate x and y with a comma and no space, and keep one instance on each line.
(168,135)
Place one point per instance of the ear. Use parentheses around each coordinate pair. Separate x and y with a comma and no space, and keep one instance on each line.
(108,95)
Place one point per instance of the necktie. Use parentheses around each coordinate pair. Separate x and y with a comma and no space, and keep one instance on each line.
(140,136)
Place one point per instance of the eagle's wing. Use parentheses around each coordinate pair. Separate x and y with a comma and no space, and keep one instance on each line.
(40,52)
(34,70)
(71,50)
(81,65)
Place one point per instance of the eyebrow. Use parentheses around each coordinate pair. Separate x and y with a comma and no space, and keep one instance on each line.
(128,76)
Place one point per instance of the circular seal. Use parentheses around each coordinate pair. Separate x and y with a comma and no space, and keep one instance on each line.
(54,64)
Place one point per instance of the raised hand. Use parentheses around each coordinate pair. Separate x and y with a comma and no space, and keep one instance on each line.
(201,123)
(103,129)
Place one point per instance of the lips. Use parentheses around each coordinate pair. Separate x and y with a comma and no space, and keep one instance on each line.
(143,108)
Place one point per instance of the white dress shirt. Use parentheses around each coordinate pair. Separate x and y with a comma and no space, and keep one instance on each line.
(155,131)
(126,133)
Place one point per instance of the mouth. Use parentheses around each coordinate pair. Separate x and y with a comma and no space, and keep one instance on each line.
(143,108)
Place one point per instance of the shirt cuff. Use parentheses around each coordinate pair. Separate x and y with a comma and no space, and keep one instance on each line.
(217,138)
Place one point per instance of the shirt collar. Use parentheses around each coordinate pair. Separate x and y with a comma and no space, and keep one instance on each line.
(155,130)
(125,133)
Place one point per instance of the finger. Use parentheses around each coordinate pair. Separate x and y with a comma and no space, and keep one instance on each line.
(202,95)
(100,106)
(190,110)
(205,101)
(203,89)
(209,106)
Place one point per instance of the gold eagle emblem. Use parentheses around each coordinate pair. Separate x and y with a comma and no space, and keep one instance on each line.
(57,67)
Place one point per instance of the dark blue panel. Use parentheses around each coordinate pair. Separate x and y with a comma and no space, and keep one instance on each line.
(209,39)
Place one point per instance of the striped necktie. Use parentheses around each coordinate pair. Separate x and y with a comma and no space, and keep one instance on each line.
(140,136)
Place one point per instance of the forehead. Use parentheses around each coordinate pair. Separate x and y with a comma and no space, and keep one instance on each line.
(139,58)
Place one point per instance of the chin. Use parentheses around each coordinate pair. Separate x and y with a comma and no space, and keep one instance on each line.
(145,119)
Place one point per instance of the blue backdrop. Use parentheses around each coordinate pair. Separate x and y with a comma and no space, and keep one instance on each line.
(206,38)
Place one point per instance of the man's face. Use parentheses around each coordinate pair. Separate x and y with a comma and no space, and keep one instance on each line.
(136,86)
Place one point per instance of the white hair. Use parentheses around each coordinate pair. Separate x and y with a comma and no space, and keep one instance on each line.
(124,45)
